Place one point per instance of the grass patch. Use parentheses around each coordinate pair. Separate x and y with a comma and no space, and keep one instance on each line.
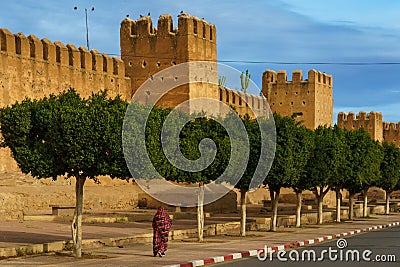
(22,251)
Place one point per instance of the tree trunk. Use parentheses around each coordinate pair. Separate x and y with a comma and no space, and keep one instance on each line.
(338,202)
(387,209)
(320,216)
(243,212)
(351,206)
(365,203)
(319,195)
(76,226)
(274,218)
(299,195)
(200,212)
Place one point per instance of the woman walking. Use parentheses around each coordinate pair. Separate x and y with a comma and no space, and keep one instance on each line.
(161,226)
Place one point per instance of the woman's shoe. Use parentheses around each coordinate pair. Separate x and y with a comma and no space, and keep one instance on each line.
(160,254)
(163,254)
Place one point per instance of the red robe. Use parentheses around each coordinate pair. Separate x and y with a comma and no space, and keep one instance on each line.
(161,226)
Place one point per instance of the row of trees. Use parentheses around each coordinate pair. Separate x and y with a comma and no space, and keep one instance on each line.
(81,138)
(330,158)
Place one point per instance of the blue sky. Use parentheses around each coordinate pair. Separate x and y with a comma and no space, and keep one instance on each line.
(294,31)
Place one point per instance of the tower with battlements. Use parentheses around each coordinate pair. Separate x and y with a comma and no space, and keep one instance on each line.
(147,50)
(391,132)
(311,98)
(371,122)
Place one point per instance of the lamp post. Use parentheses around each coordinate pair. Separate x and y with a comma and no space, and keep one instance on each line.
(87,24)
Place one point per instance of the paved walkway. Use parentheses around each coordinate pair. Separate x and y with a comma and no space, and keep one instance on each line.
(179,251)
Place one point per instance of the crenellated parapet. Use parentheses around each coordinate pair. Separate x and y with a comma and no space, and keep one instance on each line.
(310,97)
(57,53)
(391,126)
(362,117)
(187,25)
(270,76)
(34,68)
(391,132)
(147,50)
(371,122)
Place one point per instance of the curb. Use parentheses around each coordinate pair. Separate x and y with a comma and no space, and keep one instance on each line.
(108,241)
(252,253)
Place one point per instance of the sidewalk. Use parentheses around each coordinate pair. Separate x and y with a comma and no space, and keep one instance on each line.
(181,251)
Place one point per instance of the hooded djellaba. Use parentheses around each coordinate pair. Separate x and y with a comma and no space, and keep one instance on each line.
(161,225)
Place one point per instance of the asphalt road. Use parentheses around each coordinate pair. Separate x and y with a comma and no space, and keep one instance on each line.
(377,246)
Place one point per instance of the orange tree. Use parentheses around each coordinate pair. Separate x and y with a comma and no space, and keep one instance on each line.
(390,170)
(261,136)
(325,164)
(67,135)
(364,161)
(302,150)
(176,147)
(284,167)
(338,182)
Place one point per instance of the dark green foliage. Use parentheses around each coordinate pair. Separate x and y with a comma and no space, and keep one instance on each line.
(254,135)
(390,168)
(284,167)
(327,159)
(66,135)
(343,165)
(303,147)
(193,132)
(364,161)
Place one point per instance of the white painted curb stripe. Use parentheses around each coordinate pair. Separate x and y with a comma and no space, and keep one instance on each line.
(253,252)
(198,263)
(219,259)
(236,255)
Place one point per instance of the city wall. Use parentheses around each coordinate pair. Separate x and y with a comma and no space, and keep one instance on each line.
(35,68)
(244,103)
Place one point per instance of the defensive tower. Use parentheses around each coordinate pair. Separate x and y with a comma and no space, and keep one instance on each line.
(391,132)
(147,50)
(371,122)
(311,99)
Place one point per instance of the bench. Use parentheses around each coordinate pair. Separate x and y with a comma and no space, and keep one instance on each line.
(62,210)
(310,202)
(267,203)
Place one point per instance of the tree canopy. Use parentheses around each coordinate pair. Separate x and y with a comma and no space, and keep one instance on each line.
(390,167)
(67,135)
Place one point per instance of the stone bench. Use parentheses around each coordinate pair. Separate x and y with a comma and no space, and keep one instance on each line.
(308,202)
(62,210)
(267,203)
